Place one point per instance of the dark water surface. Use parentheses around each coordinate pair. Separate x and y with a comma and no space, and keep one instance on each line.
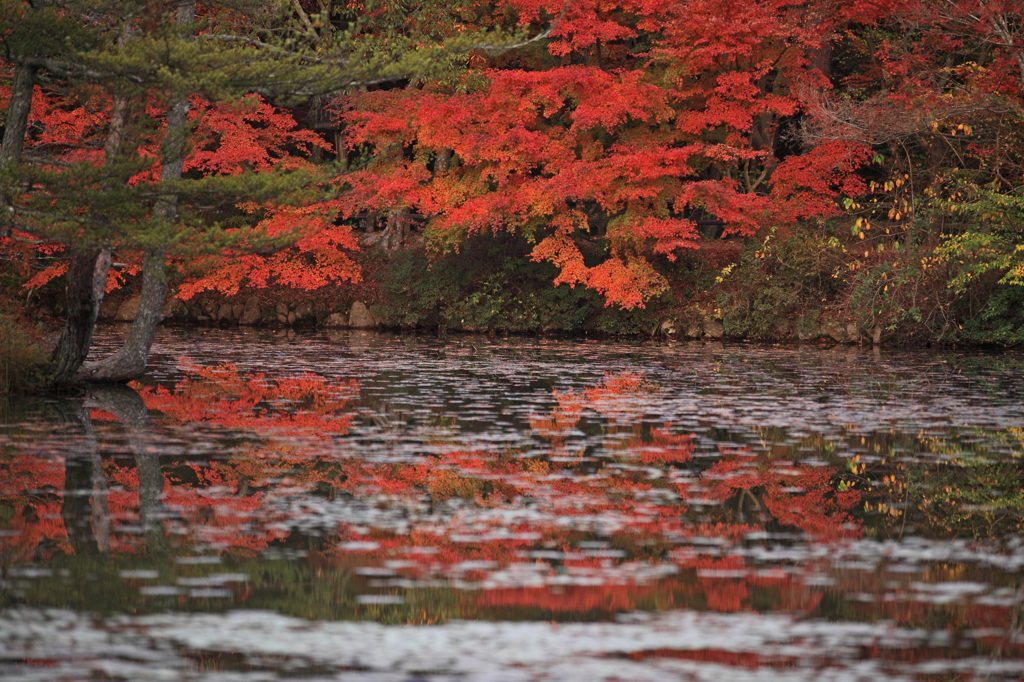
(362,506)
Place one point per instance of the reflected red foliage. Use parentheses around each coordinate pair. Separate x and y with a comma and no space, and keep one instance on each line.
(30,494)
(643,525)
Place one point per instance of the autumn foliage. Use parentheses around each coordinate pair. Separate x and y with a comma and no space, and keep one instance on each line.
(637,123)
(620,136)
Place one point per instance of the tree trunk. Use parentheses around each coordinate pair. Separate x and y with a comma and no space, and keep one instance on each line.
(368,222)
(17,113)
(130,361)
(397,230)
(86,280)
(87,275)
(340,151)
(14,135)
(1002,27)
(443,161)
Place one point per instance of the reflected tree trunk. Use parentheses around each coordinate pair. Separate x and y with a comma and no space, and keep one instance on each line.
(84,507)
(130,409)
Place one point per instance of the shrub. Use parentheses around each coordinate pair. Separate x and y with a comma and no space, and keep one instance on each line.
(21,357)
(785,276)
(490,285)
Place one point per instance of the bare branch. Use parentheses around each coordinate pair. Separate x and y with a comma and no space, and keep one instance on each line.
(502,49)
(297,6)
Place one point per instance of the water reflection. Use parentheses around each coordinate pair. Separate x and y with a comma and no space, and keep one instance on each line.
(410,482)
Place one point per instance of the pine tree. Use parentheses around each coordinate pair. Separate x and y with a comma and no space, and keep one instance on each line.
(138,63)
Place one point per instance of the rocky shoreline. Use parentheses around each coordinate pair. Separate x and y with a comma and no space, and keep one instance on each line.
(252,312)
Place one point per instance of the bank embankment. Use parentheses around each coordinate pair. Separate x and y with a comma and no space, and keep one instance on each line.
(799,285)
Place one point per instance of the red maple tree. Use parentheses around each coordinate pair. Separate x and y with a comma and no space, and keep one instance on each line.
(637,124)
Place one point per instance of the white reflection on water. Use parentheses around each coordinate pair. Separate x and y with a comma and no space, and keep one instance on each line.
(267,646)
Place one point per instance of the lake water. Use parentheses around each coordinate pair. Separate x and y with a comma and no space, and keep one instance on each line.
(361,506)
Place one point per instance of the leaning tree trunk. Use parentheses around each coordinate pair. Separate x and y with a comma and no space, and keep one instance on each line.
(130,361)
(87,269)
(86,280)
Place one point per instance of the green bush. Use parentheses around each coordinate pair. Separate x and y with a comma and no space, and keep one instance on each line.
(990,312)
(638,321)
(490,285)
(21,358)
(986,275)
(782,277)
(899,291)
